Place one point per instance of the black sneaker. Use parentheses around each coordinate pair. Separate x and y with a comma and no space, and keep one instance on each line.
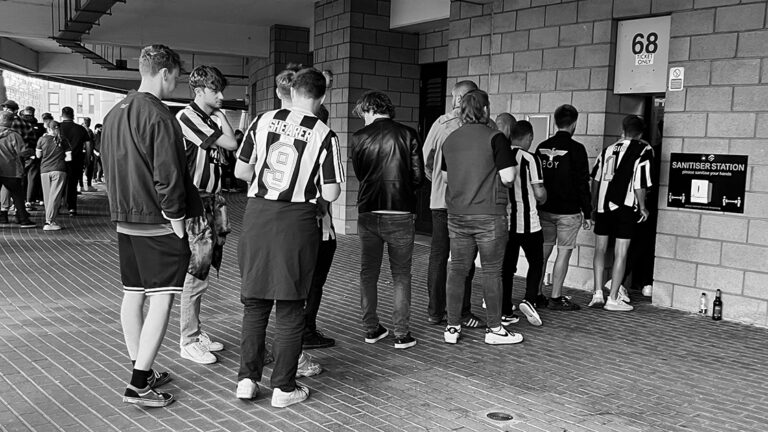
(158,378)
(404,342)
(472,322)
(509,319)
(146,397)
(562,303)
(433,320)
(27,224)
(541,301)
(317,340)
(376,335)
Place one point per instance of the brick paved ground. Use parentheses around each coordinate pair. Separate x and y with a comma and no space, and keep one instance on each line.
(63,364)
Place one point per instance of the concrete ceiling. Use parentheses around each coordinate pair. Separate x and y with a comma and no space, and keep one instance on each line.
(224,33)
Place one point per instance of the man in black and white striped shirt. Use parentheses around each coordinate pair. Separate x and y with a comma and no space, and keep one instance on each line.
(525,229)
(291,158)
(206,131)
(621,175)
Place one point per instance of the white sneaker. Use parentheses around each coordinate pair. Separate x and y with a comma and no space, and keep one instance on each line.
(502,337)
(307,367)
(452,334)
(247,389)
(623,294)
(197,352)
(51,226)
(281,399)
(208,343)
(530,313)
(597,299)
(617,305)
(648,290)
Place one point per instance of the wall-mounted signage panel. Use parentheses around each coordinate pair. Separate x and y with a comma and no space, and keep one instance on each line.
(642,54)
(707,182)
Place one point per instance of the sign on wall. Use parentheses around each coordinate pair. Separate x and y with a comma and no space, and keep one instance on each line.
(642,54)
(707,182)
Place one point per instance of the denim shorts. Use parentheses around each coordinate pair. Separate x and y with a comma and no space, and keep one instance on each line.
(560,229)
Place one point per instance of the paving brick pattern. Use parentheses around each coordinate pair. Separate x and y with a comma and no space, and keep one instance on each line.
(63,364)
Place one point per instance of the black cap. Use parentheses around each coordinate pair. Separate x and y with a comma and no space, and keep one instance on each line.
(11,105)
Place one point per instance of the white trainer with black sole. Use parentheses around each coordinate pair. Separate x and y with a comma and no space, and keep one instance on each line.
(530,313)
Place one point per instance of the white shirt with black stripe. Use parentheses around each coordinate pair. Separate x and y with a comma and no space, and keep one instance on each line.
(606,164)
(525,218)
(203,157)
(293,154)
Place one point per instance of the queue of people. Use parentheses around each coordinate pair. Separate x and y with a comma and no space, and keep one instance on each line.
(491,196)
(53,158)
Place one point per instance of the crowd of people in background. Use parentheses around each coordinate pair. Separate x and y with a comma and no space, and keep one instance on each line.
(44,162)
(491,196)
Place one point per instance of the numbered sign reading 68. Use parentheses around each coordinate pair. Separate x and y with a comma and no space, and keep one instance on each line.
(644,46)
(642,53)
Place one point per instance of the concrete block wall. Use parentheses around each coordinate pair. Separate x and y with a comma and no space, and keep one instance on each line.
(287,44)
(433,46)
(353,39)
(533,55)
(723,46)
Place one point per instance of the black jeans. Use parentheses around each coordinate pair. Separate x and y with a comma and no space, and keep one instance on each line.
(533,246)
(286,346)
(437,274)
(33,184)
(74,175)
(398,232)
(324,260)
(13,184)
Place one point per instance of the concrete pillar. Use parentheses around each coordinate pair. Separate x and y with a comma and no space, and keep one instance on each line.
(287,44)
(353,39)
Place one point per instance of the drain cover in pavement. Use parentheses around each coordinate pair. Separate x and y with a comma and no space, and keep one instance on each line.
(499,416)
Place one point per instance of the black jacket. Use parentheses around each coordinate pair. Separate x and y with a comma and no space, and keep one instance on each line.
(566,175)
(386,156)
(144,163)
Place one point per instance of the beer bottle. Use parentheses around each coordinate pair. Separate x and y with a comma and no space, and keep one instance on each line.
(717,307)
(703,305)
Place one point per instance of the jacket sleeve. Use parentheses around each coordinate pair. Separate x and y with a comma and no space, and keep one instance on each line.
(168,169)
(429,149)
(581,178)
(417,161)
(22,150)
(353,154)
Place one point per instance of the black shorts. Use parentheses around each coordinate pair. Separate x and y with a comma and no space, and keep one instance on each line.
(619,223)
(153,265)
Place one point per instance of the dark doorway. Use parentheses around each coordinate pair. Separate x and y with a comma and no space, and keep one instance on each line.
(431,106)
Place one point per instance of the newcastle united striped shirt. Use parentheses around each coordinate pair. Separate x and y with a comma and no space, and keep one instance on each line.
(632,156)
(293,154)
(203,156)
(525,217)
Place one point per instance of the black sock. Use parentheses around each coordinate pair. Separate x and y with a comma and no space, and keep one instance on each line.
(139,378)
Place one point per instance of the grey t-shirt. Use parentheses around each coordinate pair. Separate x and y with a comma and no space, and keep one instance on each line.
(53,153)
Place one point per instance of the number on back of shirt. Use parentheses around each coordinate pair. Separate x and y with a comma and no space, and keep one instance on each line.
(281,161)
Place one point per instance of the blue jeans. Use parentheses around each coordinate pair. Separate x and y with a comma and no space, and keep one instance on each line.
(470,234)
(437,272)
(397,231)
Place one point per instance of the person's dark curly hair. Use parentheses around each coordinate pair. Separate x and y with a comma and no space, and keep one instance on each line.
(376,102)
(207,77)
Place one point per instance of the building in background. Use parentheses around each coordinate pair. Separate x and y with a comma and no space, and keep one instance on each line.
(50,96)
